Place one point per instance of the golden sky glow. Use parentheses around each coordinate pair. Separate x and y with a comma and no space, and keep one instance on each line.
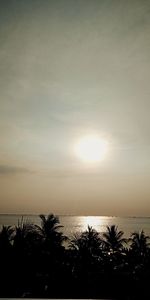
(74,107)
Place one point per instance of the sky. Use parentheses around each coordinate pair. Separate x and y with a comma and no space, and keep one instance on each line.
(68,69)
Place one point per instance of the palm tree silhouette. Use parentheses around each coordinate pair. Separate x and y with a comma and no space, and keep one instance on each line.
(6,237)
(6,254)
(113,239)
(139,243)
(88,240)
(27,236)
(50,226)
(86,252)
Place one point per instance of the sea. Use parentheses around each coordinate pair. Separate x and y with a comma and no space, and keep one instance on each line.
(77,224)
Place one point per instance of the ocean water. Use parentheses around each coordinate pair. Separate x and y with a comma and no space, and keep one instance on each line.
(77,224)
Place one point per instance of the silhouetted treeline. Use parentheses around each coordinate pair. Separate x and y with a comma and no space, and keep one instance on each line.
(41,262)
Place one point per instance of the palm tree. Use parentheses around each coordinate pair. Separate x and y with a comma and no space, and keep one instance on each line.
(6,255)
(85,253)
(52,254)
(26,243)
(6,238)
(50,226)
(139,243)
(27,236)
(113,239)
(88,240)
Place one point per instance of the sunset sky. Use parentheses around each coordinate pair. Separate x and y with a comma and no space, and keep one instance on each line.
(70,70)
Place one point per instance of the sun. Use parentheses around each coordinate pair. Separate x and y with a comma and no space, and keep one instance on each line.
(91,148)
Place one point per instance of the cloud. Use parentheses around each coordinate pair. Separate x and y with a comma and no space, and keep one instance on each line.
(74,173)
(10,170)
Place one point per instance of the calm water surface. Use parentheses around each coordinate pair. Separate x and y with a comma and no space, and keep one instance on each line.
(74,224)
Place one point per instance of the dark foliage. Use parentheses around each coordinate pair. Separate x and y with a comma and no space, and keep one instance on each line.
(39,261)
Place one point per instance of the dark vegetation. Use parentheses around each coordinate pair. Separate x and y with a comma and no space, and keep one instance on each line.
(40,262)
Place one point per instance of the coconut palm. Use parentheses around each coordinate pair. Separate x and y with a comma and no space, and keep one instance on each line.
(50,226)
(139,243)
(6,237)
(113,239)
(26,237)
(88,240)
(86,252)
(6,256)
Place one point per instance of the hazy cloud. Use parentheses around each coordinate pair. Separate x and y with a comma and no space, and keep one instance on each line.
(6,170)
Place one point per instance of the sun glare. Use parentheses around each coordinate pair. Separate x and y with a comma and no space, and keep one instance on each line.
(91,149)
(92,221)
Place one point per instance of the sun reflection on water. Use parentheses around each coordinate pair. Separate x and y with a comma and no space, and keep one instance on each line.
(96,222)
